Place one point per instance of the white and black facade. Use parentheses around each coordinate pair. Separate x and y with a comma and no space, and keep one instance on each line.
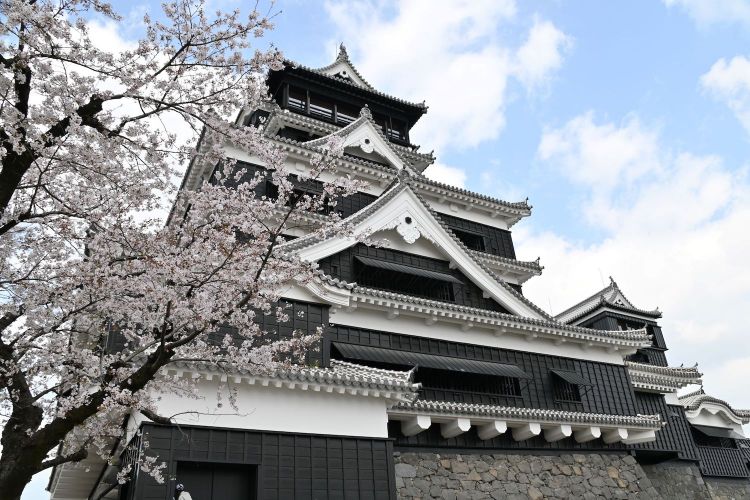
(429,344)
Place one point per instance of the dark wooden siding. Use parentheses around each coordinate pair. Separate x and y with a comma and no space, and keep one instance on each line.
(496,241)
(296,466)
(341,265)
(675,436)
(305,317)
(610,393)
(345,206)
(609,321)
(651,356)
(722,462)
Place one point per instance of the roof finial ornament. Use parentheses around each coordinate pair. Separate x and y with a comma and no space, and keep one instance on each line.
(342,52)
(365,111)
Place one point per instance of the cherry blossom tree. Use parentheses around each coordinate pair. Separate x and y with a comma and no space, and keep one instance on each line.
(89,154)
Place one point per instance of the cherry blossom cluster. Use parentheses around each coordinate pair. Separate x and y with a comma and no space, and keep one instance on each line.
(97,294)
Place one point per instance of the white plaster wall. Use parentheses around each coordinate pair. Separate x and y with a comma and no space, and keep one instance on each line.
(422,246)
(281,409)
(705,417)
(671,398)
(378,320)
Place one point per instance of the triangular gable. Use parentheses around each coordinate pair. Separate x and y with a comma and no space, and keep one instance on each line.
(342,67)
(611,295)
(365,134)
(403,210)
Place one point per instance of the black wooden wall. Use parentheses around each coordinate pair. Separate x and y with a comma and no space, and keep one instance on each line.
(675,436)
(496,241)
(609,321)
(298,466)
(611,391)
(341,265)
(723,462)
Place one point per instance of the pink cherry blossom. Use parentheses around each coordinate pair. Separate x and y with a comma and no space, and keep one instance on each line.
(87,155)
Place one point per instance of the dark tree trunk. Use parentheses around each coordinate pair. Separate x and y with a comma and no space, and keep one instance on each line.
(18,463)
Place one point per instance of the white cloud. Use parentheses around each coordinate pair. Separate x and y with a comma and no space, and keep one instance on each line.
(729,82)
(706,13)
(445,174)
(106,36)
(541,53)
(676,235)
(455,60)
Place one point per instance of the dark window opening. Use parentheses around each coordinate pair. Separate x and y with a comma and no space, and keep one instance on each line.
(217,481)
(346,113)
(409,284)
(457,386)
(702,439)
(297,134)
(639,357)
(473,241)
(297,99)
(321,108)
(256,118)
(566,392)
(341,113)
(566,385)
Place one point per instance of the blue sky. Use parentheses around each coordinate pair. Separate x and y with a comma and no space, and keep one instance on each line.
(627,124)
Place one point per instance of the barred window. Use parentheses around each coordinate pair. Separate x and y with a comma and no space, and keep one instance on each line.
(565,391)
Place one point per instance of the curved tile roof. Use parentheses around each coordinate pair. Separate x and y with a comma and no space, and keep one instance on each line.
(609,296)
(694,400)
(662,378)
(630,338)
(340,373)
(343,57)
(651,422)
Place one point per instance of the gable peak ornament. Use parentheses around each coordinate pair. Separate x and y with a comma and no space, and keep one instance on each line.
(365,111)
(408,230)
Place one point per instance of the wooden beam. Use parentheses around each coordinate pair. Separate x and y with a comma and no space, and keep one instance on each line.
(610,436)
(415,425)
(637,437)
(455,427)
(526,431)
(493,429)
(587,434)
(557,433)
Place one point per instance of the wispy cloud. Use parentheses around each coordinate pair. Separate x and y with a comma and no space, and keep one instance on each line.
(446,174)
(729,82)
(706,13)
(450,54)
(675,227)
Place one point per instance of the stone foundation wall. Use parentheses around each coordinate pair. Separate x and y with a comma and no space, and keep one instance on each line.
(683,480)
(728,489)
(520,477)
(537,477)
(676,479)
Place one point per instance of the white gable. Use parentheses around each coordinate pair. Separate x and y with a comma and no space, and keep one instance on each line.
(412,221)
(369,139)
(343,69)
(364,135)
